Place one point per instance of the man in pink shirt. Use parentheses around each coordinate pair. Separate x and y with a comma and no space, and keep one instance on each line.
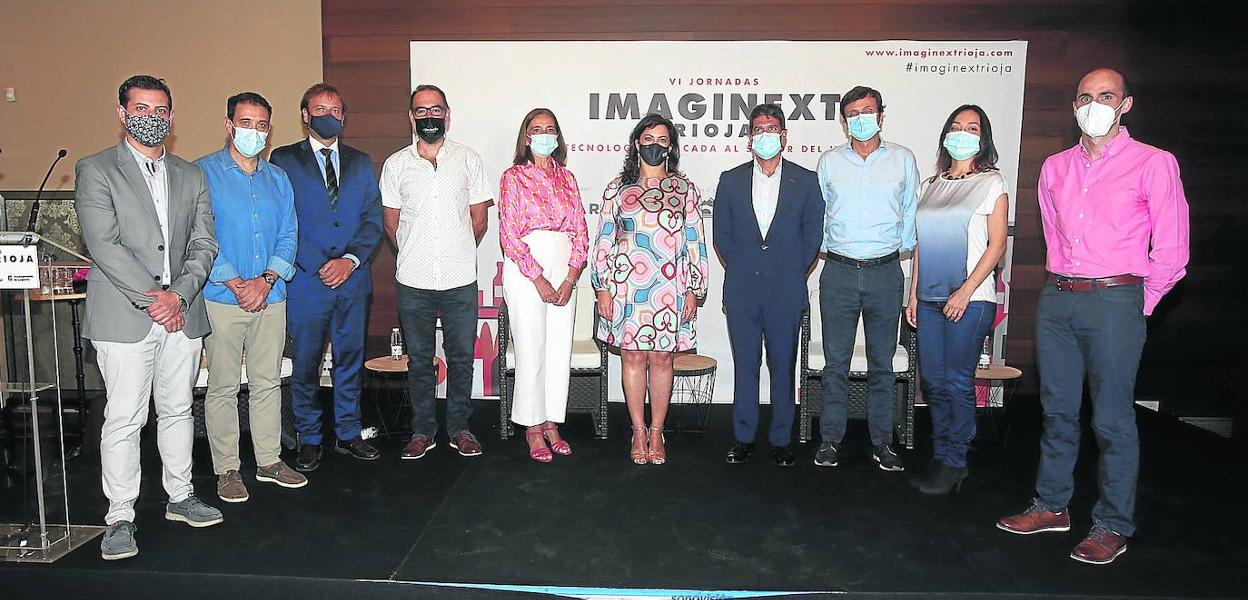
(1116,226)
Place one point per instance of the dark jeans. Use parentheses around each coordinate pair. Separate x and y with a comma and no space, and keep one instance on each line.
(1101,334)
(418,311)
(845,291)
(948,353)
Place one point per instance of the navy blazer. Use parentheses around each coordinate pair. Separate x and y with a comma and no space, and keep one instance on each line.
(325,233)
(768,271)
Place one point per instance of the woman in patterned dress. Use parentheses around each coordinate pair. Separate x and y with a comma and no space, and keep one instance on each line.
(650,270)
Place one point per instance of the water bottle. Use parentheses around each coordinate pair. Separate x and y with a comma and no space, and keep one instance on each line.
(985,355)
(396,344)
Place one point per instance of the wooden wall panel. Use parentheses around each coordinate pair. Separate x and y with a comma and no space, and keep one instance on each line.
(366,56)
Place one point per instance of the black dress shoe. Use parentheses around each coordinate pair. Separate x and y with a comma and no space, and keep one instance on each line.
(739,453)
(309,458)
(782,456)
(357,448)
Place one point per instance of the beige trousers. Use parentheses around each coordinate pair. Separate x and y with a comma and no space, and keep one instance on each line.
(262,337)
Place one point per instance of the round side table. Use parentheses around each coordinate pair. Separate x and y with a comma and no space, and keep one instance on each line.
(388,370)
(693,387)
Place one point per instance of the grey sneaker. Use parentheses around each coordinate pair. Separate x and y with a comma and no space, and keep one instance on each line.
(193,512)
(887,458)
(282,475)
(827,455)
(230,487)
(118,542)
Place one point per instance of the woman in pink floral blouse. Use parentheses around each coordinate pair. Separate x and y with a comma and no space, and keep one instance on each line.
(542,231)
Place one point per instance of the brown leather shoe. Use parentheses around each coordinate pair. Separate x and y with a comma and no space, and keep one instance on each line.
(357,448)
(1101,547)
(1036,519)
(417,448)
(466,443)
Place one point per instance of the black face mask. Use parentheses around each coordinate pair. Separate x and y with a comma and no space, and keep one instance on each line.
(653,154)
(431,129)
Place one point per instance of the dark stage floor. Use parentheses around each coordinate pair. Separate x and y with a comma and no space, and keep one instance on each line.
(595,520)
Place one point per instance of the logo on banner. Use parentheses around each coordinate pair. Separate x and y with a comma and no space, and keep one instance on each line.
(19,267)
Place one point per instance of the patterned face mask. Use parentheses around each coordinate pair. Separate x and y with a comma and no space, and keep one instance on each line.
(149,130)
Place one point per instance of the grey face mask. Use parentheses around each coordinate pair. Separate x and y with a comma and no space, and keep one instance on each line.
(149,130)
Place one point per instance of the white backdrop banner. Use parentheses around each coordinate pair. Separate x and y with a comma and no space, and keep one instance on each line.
(599,90)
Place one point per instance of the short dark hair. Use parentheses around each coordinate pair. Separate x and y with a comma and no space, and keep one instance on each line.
(858,93)
(317,90)
(767,110)
(246,98)
(428,87)
(985,160)
(143,82)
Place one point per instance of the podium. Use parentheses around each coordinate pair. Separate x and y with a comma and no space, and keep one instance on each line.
(34,499)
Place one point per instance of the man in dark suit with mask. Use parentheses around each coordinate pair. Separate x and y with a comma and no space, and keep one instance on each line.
(767,229)
(338,206)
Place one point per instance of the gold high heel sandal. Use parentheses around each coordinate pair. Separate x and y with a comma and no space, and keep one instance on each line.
(656,453)
(639,456)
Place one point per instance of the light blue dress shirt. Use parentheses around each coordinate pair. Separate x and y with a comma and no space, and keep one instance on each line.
(869,203)
(256,225)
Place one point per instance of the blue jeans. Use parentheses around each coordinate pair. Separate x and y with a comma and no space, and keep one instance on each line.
(419,311)
(948,353)
(1101,334)
(845,291)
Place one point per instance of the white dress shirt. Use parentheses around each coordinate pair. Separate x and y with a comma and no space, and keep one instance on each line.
(766,194)
(437,247)
(156,175)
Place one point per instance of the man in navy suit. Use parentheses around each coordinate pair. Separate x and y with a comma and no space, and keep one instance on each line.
(338,205)
(767,229)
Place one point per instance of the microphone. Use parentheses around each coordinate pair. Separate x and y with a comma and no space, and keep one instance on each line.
(34,206)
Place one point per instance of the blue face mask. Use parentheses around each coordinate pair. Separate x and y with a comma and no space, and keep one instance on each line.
(766,145)
(249,142)
(543,144)
(864,126)
(961,145)
(327,126)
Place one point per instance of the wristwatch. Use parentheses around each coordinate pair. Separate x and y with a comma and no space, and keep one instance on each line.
(269,278)
(570,281)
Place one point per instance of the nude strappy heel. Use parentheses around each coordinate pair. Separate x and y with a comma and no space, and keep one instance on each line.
(657,454)
(639,456)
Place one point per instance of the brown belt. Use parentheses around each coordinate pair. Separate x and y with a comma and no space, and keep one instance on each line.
(1081,284)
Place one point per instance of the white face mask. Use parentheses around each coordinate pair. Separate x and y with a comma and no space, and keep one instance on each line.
(1095,119)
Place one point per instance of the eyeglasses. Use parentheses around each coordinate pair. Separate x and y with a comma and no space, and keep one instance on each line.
(767,129)
(421,112)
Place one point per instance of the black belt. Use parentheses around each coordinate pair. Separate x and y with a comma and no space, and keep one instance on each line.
(870,262)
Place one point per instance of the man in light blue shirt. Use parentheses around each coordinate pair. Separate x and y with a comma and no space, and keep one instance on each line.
(870,189)
(246,294)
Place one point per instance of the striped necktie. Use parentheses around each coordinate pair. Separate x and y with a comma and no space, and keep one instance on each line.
(331,179)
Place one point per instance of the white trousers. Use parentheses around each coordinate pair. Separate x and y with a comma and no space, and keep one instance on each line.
(161,367)
(540,332)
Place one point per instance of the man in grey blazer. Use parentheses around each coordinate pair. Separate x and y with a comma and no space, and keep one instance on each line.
(146,219)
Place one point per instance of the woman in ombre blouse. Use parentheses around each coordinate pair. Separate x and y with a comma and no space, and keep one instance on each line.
(541,226)
(962,231)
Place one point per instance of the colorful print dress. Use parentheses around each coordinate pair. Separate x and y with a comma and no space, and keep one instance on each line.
(650,251)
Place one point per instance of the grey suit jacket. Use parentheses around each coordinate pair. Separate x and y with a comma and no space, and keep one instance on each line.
(121,231)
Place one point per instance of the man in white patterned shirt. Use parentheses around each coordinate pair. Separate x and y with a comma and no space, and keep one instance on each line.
(436,201)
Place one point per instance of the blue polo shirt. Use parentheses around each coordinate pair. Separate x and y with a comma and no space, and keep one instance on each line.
(256,224)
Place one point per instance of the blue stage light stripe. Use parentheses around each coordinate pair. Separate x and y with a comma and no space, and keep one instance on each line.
(603,592)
